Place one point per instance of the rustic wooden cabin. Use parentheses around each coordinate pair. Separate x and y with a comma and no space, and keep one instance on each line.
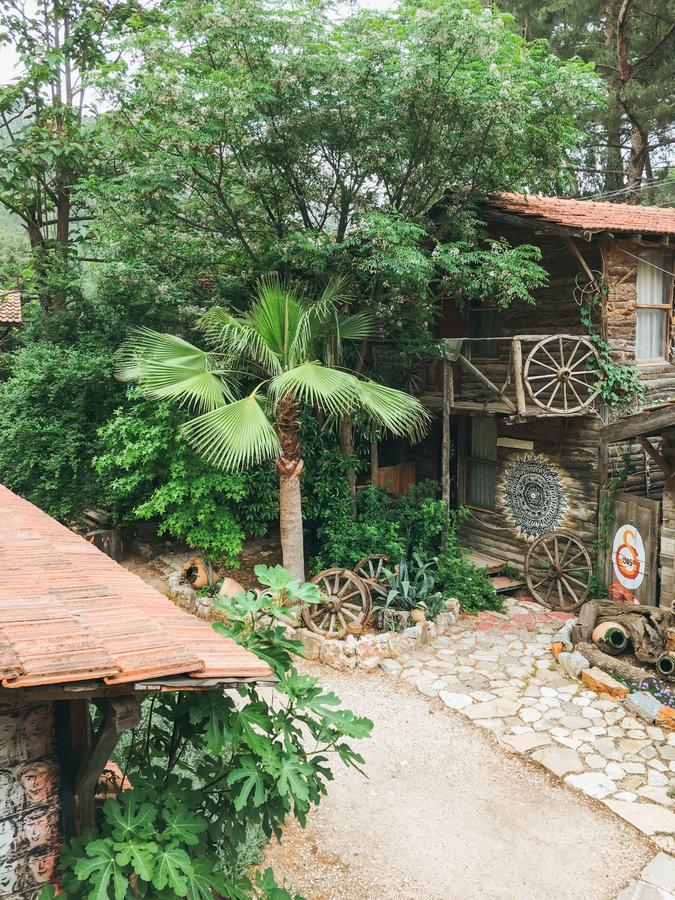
(518,428)
(76,628)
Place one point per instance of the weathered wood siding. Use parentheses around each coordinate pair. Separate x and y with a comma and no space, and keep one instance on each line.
(29,800)
(570,447)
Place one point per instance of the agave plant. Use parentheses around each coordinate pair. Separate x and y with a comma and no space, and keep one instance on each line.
(274,349)
(412,585)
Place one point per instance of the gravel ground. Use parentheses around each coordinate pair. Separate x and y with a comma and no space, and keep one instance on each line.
(445,813)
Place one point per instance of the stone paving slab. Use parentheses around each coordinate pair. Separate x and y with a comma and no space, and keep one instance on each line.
(657,881)
(497,670)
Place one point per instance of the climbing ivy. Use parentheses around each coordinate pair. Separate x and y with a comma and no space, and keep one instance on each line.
(597,585)
(620,386)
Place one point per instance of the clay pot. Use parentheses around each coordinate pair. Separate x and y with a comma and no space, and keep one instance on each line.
(195,571)
(230,587)
(611,638)
(665,666)
(418,616)
(670,639)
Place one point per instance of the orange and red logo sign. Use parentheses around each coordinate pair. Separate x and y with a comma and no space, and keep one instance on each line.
(628,557)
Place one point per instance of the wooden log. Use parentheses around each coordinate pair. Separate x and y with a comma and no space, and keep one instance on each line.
(517,348)
(445,446)
(614,664)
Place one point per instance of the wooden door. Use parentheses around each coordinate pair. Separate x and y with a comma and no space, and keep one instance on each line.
(631,563)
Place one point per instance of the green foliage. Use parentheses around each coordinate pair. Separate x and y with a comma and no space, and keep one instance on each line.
(631,132)
(397,528)
(412,585)
(206,767)
(620,385)
(458,578)
(150,472)
(50,408)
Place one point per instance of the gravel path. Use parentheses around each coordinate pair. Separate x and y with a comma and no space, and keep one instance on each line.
(445,813)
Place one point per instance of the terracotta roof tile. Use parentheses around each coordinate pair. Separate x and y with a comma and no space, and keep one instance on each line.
(70,613)
(590,215)
(10,308)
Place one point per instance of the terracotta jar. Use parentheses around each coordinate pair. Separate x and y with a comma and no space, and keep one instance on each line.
(611,638)
(195,571)
(665,665)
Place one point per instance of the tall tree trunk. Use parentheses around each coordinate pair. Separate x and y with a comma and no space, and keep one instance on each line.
(289,468)
(347,450)
(290,525)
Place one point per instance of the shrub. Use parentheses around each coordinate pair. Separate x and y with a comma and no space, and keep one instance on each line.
(458,578)
(150,472)
(51,405)
(207,767)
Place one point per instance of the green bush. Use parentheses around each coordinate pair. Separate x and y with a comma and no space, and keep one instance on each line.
(210,768)
(51,405)
(150,472)
(412,585)
(459,578)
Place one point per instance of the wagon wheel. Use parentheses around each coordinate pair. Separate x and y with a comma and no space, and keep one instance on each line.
(558,570)
(371,570)
(346,603)
(561,374)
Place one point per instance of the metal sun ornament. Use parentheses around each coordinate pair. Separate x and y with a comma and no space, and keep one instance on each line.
(534,495)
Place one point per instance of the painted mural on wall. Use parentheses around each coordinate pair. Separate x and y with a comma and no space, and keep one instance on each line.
(29,806)
(534,495)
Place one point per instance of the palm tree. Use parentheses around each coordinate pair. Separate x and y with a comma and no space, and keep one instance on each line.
(275,346)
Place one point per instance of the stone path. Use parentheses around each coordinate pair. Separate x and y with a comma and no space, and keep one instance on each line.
(497,670)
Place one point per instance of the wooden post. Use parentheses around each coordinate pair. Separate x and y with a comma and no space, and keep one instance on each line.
(373,462)
(517,348)
(445,447)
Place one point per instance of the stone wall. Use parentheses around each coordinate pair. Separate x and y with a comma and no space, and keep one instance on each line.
(29,800)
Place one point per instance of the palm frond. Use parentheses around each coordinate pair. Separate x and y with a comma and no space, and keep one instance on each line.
(317,385)
(398,412)
(144,343)
(234,436)
(276,315)
(319,315)
(238,339)
(360,326)
(167,367)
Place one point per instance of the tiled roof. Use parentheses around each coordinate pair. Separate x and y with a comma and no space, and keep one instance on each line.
(10,308)
(70,613)
(589,215)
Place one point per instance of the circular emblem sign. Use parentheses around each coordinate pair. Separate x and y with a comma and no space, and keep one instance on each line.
(628,557)
(534,495)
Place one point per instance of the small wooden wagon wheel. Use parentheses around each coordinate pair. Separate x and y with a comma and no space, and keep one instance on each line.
(371,570)
(561,373)
(346,603)
(558,570)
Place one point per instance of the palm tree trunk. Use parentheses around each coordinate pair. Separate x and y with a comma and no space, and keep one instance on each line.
(289,468)
(290,526)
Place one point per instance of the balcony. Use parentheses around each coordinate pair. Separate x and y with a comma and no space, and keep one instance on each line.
(524,376)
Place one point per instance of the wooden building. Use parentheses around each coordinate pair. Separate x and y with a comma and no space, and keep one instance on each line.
(75,628)
(518,436)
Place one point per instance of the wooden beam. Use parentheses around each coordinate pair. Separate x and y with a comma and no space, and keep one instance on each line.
(374,461)
(648,422)
(119,715)
(574,250)
(448,399)
(486,381)
(651,450)
(517,354)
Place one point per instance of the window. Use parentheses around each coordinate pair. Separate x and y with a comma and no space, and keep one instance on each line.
(482,462)
(654,286)
(483,324)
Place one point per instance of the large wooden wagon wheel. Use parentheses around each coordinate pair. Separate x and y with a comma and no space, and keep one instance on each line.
(561,373)
(558,570)
(371,570)
(346,603)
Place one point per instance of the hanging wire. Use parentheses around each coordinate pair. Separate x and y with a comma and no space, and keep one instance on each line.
(647,263)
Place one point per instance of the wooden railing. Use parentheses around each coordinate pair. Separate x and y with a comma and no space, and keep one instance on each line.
(543,374)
